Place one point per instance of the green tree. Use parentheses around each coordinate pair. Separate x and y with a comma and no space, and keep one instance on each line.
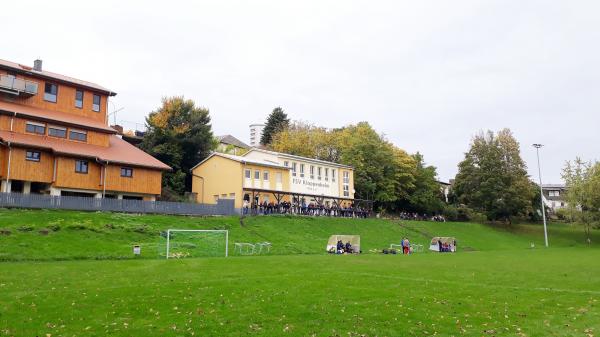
(582,180)
(180,135)
(426,195)
(276,122)
(493,178)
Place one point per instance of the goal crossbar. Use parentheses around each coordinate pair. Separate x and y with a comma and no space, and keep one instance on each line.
(199,230)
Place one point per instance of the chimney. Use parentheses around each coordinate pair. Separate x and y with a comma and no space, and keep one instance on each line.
(37,65)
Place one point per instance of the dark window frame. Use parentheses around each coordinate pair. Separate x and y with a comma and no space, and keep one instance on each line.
(71,132)
(77,91)
(80,169)
(126,172)
(94,102)
(55,94)
(30,155)
(59,129)
(36,128)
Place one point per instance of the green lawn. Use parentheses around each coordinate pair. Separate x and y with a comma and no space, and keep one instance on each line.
(494,286)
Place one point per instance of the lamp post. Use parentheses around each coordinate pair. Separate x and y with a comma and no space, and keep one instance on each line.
(537,150)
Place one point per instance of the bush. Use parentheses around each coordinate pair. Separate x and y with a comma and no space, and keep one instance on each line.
(460,213)
(562,214)
(54,227)
(25,228)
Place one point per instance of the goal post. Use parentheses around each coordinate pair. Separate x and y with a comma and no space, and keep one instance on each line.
(197,239)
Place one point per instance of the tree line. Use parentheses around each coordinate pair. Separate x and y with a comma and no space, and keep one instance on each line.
(492,180)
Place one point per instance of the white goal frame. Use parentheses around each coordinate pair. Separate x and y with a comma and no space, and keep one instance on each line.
(199,230)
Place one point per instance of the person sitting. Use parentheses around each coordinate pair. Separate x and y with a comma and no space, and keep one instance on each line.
(340,247)
(348,248)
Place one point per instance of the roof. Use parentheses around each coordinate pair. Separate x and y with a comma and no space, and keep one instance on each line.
(54,116)
(231,140)
(50,75)
(242,160)
(291,156)
(118,151)
(553,186)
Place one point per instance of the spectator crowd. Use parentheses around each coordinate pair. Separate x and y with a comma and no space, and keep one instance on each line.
(343,210)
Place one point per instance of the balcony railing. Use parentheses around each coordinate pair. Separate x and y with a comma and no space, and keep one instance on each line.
(17,86)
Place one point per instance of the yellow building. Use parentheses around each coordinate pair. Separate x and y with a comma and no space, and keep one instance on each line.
(266,176)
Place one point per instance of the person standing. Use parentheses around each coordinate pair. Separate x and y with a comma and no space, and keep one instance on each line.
(439,245)
(406,246)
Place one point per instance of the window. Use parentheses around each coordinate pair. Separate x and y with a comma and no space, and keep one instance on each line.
(50,92)
(257,175)
(333,175)
(78,135)
(79,98)
(554,193)
(319,169)
(38,128)
(312,172)
(326,174)
(126,172)
(81,166)
(266,175)
(286,163)
(301,170)
(247,174)
(96,103)
(33,155)
(346,181)
(216,196)
(293,169)
(56,131)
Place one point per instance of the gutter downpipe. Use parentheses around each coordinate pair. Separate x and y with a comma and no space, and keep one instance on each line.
(8,168)
(103,176)
(202,193)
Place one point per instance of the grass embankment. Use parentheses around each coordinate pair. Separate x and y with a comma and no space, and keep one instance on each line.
(68,235)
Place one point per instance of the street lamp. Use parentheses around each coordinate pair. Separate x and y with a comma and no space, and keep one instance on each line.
(537,150)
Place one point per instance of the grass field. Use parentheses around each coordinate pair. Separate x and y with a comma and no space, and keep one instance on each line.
(495,286)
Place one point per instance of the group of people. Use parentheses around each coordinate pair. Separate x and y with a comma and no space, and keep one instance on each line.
(342,248)
(445,247)
(345,210)
(417,216)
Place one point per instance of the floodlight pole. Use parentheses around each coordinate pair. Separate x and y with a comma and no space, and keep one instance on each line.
(537,150)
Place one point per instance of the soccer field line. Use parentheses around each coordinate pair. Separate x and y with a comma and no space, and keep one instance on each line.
(475,284)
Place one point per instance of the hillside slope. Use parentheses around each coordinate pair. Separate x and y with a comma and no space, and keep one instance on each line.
(68,235)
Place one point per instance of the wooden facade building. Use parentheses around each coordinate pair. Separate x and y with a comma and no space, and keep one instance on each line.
(55,139)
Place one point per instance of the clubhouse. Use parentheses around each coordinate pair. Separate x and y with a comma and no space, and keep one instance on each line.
(261,176)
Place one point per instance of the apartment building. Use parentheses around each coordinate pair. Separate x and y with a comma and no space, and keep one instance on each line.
(55,139)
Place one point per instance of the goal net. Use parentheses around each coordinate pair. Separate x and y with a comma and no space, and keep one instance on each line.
(183,243)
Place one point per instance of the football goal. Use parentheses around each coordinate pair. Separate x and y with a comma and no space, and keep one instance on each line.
(183,243)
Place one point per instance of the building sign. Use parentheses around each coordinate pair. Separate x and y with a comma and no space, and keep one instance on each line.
(301,185)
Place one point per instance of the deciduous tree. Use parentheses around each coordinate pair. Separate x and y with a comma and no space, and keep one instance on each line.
(180,135)
(493,178)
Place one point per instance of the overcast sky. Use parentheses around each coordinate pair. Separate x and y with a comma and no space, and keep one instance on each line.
(427,74)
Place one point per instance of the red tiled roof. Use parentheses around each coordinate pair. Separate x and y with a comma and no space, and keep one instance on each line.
(49,74)
(54,116)
(118,151)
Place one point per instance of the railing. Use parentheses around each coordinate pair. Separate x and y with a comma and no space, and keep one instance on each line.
(20,200)
(19,85)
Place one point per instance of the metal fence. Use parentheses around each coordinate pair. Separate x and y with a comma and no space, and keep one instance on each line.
(19,200)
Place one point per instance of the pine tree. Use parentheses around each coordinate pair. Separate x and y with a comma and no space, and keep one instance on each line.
(276,122)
